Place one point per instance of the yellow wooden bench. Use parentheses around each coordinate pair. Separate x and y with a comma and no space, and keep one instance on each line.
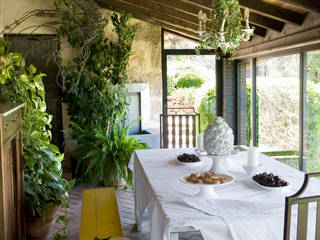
(100,216)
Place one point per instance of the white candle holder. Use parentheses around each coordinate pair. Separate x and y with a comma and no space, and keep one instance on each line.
(253,157)
(252,170)
(219,164)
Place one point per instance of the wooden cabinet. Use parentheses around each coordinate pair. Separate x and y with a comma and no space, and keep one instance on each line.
(12,223)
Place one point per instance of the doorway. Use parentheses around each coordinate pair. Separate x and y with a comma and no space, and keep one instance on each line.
(38,49)
(189,90)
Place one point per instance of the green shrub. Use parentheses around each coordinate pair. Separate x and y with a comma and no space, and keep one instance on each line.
(207,109)
(313,127)
(190,81)
(248,109)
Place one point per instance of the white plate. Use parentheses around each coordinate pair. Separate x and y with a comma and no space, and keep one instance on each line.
(229,179)
(192,164)
(207,190)
(276,189)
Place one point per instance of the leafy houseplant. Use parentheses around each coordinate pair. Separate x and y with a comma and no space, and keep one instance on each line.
(94,89)
(108,153)
(43,182)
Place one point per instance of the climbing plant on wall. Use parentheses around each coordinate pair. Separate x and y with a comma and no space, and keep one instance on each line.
(94,89)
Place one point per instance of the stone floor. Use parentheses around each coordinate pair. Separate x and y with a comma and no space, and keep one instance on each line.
(126,208)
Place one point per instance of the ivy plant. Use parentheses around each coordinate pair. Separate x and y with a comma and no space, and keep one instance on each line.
(43,182)
(94,89)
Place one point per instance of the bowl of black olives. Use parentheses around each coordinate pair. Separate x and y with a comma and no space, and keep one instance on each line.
(270,181)
(189,159)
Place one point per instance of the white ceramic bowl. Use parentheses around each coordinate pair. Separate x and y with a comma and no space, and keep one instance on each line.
(276,189)
(192,164)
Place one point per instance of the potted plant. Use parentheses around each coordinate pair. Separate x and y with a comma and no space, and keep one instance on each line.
(44,187)
(93,86)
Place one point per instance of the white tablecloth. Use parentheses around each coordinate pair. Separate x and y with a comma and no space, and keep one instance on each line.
(170,206)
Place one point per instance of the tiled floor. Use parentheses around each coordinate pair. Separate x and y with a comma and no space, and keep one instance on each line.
(126,209)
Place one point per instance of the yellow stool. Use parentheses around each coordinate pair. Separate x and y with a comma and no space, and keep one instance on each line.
(100,216)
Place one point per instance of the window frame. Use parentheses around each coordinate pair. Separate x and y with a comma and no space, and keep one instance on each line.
(167,52)
(302,51)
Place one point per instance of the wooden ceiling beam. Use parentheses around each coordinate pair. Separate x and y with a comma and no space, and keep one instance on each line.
(261,8)
(310,5)
(154,6)
(155,15)
(265,22)
(152,16)
(272,11)
(200,3)
(259,31)
(188,8)
(183,6)
(115,5)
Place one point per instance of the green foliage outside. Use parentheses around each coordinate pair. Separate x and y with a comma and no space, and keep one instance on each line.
(312,133)
(248,107)
(190,80)
(207,109)
(43,182)
(313,112)
(96,96)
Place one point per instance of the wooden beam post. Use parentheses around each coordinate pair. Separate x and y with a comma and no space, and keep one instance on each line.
(311,5)
(272,11)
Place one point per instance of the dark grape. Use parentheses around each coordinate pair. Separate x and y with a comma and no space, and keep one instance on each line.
(188,158)
(269,180)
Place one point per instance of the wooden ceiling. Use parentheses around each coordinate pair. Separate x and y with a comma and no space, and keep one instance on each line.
(182,15)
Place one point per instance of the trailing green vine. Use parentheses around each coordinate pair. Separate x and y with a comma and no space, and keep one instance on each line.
(43,182)
(94,89)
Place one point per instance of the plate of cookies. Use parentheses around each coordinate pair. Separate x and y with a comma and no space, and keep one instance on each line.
(207,181)
(207,178)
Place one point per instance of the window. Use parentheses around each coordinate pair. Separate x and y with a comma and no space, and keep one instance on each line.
(277,96)
(189,89)
(287,98)
(312,118)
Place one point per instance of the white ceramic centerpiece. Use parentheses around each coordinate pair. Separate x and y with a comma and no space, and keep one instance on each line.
(218,142)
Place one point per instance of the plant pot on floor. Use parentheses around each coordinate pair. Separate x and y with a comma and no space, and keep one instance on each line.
(38,227)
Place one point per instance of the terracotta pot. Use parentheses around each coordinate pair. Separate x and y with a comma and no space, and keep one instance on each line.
(38,227)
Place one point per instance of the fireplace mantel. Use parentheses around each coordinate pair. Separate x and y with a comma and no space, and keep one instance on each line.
(143,90)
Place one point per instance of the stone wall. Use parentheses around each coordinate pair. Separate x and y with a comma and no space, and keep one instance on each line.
(144,65)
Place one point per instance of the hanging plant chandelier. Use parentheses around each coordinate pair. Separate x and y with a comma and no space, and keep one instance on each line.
(225,30)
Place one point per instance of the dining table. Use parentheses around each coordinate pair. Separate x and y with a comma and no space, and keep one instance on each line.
(241,210)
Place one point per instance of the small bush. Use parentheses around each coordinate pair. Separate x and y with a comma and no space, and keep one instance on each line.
(207,109)
(190,81)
